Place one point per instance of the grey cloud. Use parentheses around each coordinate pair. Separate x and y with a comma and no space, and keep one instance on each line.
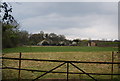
(57,21)
(66,17)
(66,9)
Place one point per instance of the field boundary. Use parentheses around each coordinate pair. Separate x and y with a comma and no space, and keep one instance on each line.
(62,63)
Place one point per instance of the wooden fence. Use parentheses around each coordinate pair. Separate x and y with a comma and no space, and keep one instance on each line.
(62,63)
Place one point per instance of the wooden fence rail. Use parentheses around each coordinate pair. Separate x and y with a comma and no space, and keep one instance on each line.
(59,61)
(58,72)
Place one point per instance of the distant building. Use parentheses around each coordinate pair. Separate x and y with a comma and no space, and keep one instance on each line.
(62,43)
(91,44)
(74,44)
(43,43)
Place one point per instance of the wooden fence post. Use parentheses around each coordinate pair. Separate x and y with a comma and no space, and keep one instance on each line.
(67,71)
(112,67)
(19,77)
(119,64)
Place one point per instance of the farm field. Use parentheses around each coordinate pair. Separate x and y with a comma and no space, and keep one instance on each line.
(59,53)
(58,49)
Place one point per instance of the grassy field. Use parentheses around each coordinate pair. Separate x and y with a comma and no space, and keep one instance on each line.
(58,49)
(59,53)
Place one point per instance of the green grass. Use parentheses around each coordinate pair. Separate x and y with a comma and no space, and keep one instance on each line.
(58,49)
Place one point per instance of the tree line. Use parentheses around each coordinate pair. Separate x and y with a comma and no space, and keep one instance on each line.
(46,38)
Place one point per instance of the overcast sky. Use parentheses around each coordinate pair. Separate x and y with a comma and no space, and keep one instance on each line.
(83,20)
